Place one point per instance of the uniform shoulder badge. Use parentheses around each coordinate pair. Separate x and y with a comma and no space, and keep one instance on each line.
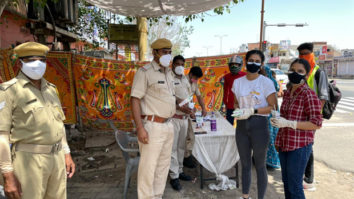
(53,85)
(8,84)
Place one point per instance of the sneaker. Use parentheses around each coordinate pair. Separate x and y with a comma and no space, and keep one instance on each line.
(309,186)
(184,177)
(175,184)
(189,162)
(245,198)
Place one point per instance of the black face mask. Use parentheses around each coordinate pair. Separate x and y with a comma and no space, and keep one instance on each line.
(295,78)
(252,68)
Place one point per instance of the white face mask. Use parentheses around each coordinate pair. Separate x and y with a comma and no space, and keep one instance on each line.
(34,69)
(165,60)
(179,70)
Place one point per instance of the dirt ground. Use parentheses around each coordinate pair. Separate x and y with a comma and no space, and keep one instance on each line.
(103,177)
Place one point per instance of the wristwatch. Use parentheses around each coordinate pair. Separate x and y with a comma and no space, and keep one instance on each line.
(255,111)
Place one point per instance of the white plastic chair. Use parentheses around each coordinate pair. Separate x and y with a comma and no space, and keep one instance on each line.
(131,163)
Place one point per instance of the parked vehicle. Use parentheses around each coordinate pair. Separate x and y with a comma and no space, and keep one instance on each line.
(281,77)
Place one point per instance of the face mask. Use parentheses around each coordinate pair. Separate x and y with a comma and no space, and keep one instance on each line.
(165,60)
(310,58)
(235,69)
(253,67)
(192,80)
(34,69)
(179,70)
(295,78)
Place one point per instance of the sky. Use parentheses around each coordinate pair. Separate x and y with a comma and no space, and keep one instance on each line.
(328,20)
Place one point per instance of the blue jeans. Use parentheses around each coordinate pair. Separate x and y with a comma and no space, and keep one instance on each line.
(293,164)
(229,117)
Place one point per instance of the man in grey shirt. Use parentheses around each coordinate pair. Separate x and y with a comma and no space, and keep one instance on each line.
(318,81)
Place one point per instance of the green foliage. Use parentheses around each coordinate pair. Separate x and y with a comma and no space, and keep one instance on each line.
(173,29)
(89,19)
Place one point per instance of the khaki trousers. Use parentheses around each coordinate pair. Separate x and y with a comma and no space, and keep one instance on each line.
(179,146)
(155,158)
(42,176)
(190,139)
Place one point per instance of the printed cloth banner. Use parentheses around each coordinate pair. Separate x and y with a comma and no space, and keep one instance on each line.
(6,63)
(211,84)
(103,87)
(103,91)
(58,72)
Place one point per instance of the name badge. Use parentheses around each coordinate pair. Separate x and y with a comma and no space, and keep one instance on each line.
(161,82)
(176,83)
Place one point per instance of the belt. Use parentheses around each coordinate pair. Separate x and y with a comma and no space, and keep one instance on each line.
(181,117)
(38,148)
(154,118)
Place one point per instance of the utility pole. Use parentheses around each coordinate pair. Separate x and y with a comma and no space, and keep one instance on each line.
(207,49)
(220,37)
(261,34)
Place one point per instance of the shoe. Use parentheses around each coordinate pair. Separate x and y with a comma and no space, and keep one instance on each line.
(309,186)
(245,198)
(269,168)
(189,162)
(175,184)
(184,177)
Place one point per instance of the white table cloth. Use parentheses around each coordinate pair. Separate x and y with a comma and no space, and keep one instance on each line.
(216,151)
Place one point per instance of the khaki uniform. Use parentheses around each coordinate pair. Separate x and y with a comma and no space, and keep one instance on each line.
(155,90)
(183,90)
(34,116)
(190,133)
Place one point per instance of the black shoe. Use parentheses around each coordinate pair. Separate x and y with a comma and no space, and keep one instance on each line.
(184,177)
(189,162)
(175,184)
(269,168)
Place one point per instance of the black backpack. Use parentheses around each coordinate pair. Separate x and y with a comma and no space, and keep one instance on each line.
(334,96)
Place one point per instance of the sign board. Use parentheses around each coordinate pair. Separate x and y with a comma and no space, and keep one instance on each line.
(284,44)
(322,57)
(123,33)
(324,49)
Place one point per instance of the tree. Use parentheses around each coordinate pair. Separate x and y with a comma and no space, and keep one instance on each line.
(176,31)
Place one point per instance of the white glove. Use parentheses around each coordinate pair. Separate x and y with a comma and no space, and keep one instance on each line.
(281,122)
(243,113)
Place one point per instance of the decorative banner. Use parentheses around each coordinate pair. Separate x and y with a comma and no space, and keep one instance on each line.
(103,90)
(58,72)
(210,85)
(103,87)
(6,72)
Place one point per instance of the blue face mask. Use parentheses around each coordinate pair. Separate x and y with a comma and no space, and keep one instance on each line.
(253,67)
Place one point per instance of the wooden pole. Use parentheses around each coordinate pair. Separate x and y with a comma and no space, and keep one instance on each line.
(142,27)
(262,21)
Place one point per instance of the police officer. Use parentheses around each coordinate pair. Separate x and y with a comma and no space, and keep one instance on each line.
(184,89)
(153,103)
(31,119)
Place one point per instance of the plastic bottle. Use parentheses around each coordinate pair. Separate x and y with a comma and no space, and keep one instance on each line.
(213,122)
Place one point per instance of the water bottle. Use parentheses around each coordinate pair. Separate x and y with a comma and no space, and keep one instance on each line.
(213,122)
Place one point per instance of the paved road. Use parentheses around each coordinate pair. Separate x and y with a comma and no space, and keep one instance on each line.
(334,143)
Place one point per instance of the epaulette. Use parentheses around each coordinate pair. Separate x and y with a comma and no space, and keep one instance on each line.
(53,85)
(146,67)
(8,84)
